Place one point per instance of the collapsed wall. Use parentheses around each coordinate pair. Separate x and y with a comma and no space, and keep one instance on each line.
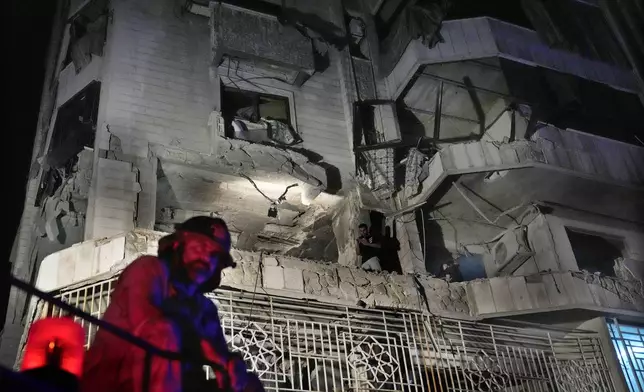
(332,283)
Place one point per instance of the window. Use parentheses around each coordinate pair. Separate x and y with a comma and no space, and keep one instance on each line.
(257,117)
(507,11)
(628,341)
(87,31)
(75,129)
(576,26)
(595,253)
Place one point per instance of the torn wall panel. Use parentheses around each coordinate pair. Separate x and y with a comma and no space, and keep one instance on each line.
(114,180)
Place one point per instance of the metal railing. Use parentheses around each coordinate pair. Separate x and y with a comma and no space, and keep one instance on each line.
(300,345)
(628,341)
(85,319)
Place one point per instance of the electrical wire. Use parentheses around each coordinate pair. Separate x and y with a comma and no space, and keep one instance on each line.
(503,213)
(279,199)
(422,220)
(257,188)
(252,302)
(283,195)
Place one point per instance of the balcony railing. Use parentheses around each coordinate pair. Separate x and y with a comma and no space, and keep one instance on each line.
(55,306)
(575,152)
(476,38)
(297,345)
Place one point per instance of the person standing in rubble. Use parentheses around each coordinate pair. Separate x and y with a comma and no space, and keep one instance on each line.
(160,300)
(368,249)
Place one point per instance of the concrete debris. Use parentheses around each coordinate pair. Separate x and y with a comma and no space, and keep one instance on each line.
(627,290)
(416,170)
(627,270)
(265,131)
(67,206)
(239,156)
(345,227)
(336,284)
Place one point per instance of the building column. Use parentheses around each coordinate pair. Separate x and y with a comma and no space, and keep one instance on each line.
(410,254)
(345,228)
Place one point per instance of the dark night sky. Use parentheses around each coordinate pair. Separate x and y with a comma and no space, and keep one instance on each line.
(27,34)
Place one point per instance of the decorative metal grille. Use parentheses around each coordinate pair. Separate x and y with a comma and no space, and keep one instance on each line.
(300,345)
(628,341)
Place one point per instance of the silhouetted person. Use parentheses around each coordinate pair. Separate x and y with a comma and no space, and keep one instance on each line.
(389,252)
(369,249)
(450,272)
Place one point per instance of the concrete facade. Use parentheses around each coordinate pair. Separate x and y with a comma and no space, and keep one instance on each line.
(163,152)
(332,283)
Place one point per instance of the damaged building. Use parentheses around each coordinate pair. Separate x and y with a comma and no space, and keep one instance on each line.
(496,151)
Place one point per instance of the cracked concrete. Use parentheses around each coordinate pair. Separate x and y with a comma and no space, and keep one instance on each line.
(333,283)
(234,156)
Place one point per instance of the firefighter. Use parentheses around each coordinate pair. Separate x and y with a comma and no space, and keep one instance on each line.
(160,299)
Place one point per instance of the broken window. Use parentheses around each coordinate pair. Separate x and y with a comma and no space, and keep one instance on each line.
(576,26)
(74,130)
(594,253)
(87,29)
(256,117)
(507,11)
(455,102)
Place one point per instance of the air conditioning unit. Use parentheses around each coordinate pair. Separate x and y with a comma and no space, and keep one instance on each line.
(511,251)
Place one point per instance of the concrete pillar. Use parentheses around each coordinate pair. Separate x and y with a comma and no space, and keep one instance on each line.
(147,200)
(410,254)
(345,228)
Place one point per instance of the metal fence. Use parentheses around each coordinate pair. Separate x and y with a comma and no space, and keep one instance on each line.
(628,341)
(300,345)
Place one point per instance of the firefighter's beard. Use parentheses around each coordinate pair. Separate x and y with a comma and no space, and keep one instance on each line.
(187,276)
(199,271)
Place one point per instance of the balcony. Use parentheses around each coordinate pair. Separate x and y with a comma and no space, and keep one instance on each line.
(299,345)
(480,38)
(561,166)
(97,260)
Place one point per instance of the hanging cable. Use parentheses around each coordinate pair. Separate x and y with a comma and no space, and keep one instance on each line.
(252,302)
(257,188)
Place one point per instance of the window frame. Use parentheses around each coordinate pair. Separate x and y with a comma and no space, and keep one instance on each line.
(619,242)
(264,90)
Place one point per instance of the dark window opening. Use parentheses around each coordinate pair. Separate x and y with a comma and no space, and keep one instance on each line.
(387,15)
(567,101)
(257,117)
(88,29)
(575,26)
(383,235)
(595,253)
(507,11)
(75,129)
(265,7)
(393,11)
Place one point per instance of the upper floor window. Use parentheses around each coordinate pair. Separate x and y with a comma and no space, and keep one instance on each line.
(507,11)
(577,26)
(258,117)
(594,253)
(87,31)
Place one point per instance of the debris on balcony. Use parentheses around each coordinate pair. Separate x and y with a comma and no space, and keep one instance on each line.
(629,290)
(416,170)
(258,118)
(87,34)
(63,208)
(415,21)
(624,269)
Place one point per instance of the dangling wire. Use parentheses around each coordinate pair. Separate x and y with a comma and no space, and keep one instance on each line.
(252,302)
